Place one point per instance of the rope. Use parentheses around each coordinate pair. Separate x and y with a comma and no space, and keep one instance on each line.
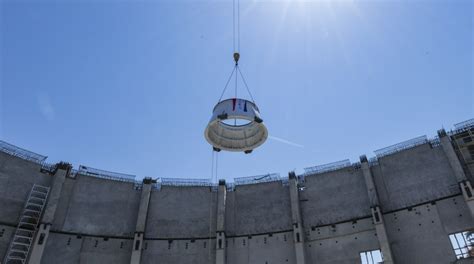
(245,83)
(214,167)
(227,83)
(238,25)
(233,24)
(210,210)
(236,46)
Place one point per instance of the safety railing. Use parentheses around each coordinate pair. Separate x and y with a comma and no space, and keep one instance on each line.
(435,142)
(48,167)
(184,182)
(373,161)
(401,146)
(270,177)
(327,167)
(465,124)
(88,171)
(21,153)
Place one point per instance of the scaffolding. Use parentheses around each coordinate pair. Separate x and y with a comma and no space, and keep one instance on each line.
(21,153)
(401,146)
(327,167)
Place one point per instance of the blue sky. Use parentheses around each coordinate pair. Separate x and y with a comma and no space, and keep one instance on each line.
(129,86)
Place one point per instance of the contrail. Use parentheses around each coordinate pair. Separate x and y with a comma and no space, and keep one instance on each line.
(286,142)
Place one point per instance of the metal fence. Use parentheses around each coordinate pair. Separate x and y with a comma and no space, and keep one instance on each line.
(401,146)
(435,141)
(21,153)
(373,161)
(270,177)
(465,124)
(327,167)
(88,171)
(184,182)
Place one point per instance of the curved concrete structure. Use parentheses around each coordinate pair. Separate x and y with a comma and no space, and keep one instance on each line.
(405,203)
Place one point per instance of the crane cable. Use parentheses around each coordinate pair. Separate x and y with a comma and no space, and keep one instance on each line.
(236,47)
(214,163)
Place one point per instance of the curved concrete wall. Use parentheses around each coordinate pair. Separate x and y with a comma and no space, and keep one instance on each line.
(95,219)
(98,206)
(181,212)
(258,208)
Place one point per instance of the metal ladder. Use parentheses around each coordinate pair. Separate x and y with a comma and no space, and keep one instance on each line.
(25,232)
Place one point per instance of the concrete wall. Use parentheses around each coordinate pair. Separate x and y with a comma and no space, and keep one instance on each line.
(17,176)
(258,208)
(98,206)
(413,176)
(6,234)
(179,251)
(270,249)
(181,212)
(334,197)
(419,234)
(68,248)
(96,218)
(341,243)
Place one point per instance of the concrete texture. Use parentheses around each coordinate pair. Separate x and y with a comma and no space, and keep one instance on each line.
(258,208)
(274,249)
(413,176)
(99,206)
(181,212)
(333,197)
(94,220)
(341,243)
(6,235)
(179,251)
(17,176)
(419,228)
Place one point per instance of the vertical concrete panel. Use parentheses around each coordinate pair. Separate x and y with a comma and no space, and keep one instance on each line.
(274,249)
(179,252)
(95,250)
(258,208)
(412,177)
(418,236)
(6,234)
(333,197)
(181,212)
(341,243)
(63,204)
(62,248)
(17,177)
(454,215)
(102,207)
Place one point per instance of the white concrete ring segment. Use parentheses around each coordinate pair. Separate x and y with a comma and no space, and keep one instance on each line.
(236,138)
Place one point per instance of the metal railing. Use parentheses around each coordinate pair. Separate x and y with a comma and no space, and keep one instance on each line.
(48,167)
(465,124)
(435,142)
(270,177)
(327,167)
(373,161)
(184,182)
(88,171)
(401,146)
(21,153)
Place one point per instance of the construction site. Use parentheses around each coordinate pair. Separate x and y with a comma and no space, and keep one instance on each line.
(409,203)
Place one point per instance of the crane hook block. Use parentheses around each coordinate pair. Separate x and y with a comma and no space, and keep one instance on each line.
(236,57)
